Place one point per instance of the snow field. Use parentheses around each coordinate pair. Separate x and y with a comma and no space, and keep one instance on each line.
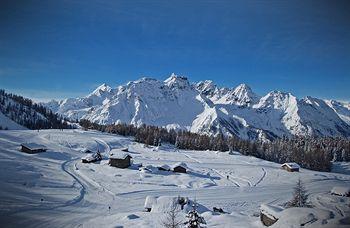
(54,188)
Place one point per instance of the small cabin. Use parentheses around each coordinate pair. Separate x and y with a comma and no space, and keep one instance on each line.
(164,168)
(120,160)
(150,200)
(269,214)
(291,167)
(341,191)
(179,168)
(92,158)
(32,148)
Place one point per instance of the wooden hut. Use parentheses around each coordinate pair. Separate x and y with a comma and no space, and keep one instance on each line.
(164,168)
(120,160)
(179,168)
(150,200)
(291,167)
(32,148)
(92,158)
(269,214)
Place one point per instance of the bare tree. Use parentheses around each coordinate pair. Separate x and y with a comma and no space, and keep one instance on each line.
(171,219)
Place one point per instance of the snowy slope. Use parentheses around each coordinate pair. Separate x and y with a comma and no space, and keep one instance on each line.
(6,122)
(341,108)
(54,189)
(16,115)
(207,108)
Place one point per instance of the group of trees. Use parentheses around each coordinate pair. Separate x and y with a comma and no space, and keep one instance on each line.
(308,152)
(29,114)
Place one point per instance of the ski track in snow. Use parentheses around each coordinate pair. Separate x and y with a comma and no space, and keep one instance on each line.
(262,178)
(214,170)
(65,167)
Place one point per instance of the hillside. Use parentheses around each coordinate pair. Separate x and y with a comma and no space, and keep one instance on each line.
(7,123)
(206,108)
(17,112)
(54,189)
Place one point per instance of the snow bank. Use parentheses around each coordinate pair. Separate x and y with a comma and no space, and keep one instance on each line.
(342,191)
(164,204)
(150,200)
(301,216)
(273,212)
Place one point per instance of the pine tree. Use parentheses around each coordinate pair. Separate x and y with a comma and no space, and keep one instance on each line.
(194,219)
(299,197)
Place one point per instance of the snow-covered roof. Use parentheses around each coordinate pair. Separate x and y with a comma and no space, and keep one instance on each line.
(86,150)
(119,155)
(300,216)
(150,200)
(271,211)
(165,166)
(88,158)
(33,146)
(342,191)
(291,165)
(182,164)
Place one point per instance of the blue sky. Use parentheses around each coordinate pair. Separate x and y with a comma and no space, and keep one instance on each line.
(57,49)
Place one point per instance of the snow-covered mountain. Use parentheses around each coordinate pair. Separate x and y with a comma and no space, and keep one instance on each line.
(206,108)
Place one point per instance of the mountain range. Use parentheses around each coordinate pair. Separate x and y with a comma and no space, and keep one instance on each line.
(205,108)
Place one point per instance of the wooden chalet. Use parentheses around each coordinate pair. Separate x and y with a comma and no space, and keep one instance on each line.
(179,168)
(32,148)
(120,160)
(291,167)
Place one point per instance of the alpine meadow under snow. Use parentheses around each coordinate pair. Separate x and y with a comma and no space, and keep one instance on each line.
(54,188)
(205,108)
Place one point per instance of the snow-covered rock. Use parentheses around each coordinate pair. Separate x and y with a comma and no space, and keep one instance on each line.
(164,204)
(299,217)
(341,191)
(273,212)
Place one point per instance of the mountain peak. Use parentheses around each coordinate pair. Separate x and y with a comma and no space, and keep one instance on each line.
(102,88)
(175,81)
(243,86)
(244,94)
(206,87)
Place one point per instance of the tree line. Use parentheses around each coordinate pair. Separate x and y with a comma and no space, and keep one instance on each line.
(308,152)
(30,114)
